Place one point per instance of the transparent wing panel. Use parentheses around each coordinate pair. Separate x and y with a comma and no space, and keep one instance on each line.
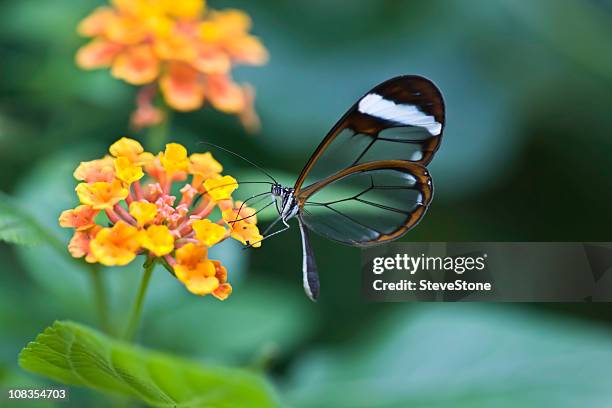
(366,207)
(400,119)
(349,148)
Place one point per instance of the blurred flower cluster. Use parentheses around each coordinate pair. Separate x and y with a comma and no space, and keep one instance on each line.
(130,205)
(180,47)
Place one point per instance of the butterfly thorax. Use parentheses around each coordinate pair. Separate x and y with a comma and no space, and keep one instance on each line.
(287,204)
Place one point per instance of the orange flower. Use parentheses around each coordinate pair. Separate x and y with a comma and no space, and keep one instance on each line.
(143,212)
(224,94)
(203,166)
(95,23)
(248,116)
(126,171)
(221,188)
(185,48)
(130,149)
(182,87)
(97,54)
(237,212)
(195,270)
(101,195)
(228,29)
(174,159)
(246,233)
(79,245)
(146,218)
(96,170)
(146,114)
(81,218)
(137,65)
(117,245)
(208,232)
(224,289)
(158,240)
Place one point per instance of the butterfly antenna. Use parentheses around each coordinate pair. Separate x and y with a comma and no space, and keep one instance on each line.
(241,157)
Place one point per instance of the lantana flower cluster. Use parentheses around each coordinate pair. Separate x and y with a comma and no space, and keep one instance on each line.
(181,47)
(131,203)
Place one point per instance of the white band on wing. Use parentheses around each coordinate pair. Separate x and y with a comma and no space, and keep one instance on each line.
(375,105)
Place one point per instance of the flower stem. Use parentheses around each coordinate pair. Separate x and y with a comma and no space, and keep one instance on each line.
(137,309)
(93,270)
(100,298)
(157,135)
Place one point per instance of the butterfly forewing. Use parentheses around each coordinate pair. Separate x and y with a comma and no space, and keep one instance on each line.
(400,119)
(369,203)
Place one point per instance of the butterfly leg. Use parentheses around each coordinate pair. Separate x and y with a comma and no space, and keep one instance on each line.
(271,226)
(287,226)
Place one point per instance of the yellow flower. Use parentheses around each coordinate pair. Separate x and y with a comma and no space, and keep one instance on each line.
(246,233)
(158,240)
(101,195)
(80,218)
(130,149)
(208,232)
(96,170)
(204,166)
(221,188)
(195,270)
(126,171)
(174,158)
(184,8)
(158,223)
(229,29)
(143,212)
(230,214)
(117,245)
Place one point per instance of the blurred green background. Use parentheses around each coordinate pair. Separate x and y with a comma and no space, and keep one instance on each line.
(525,157)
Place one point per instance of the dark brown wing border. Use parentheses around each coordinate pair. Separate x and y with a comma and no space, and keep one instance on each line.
(407,89)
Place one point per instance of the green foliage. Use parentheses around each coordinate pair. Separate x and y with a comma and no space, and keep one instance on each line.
(462,355)
(77,355)
(16,227)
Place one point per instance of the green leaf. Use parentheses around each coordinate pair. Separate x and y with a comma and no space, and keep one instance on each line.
(16,227)
(461,355)
(77,355)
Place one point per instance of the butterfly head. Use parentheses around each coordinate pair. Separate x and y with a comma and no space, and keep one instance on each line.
(288,204)
(278,190)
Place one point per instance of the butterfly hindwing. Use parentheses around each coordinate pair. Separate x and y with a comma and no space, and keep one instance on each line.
(369,203)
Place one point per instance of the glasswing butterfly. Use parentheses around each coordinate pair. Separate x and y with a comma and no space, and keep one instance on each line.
(366,183)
